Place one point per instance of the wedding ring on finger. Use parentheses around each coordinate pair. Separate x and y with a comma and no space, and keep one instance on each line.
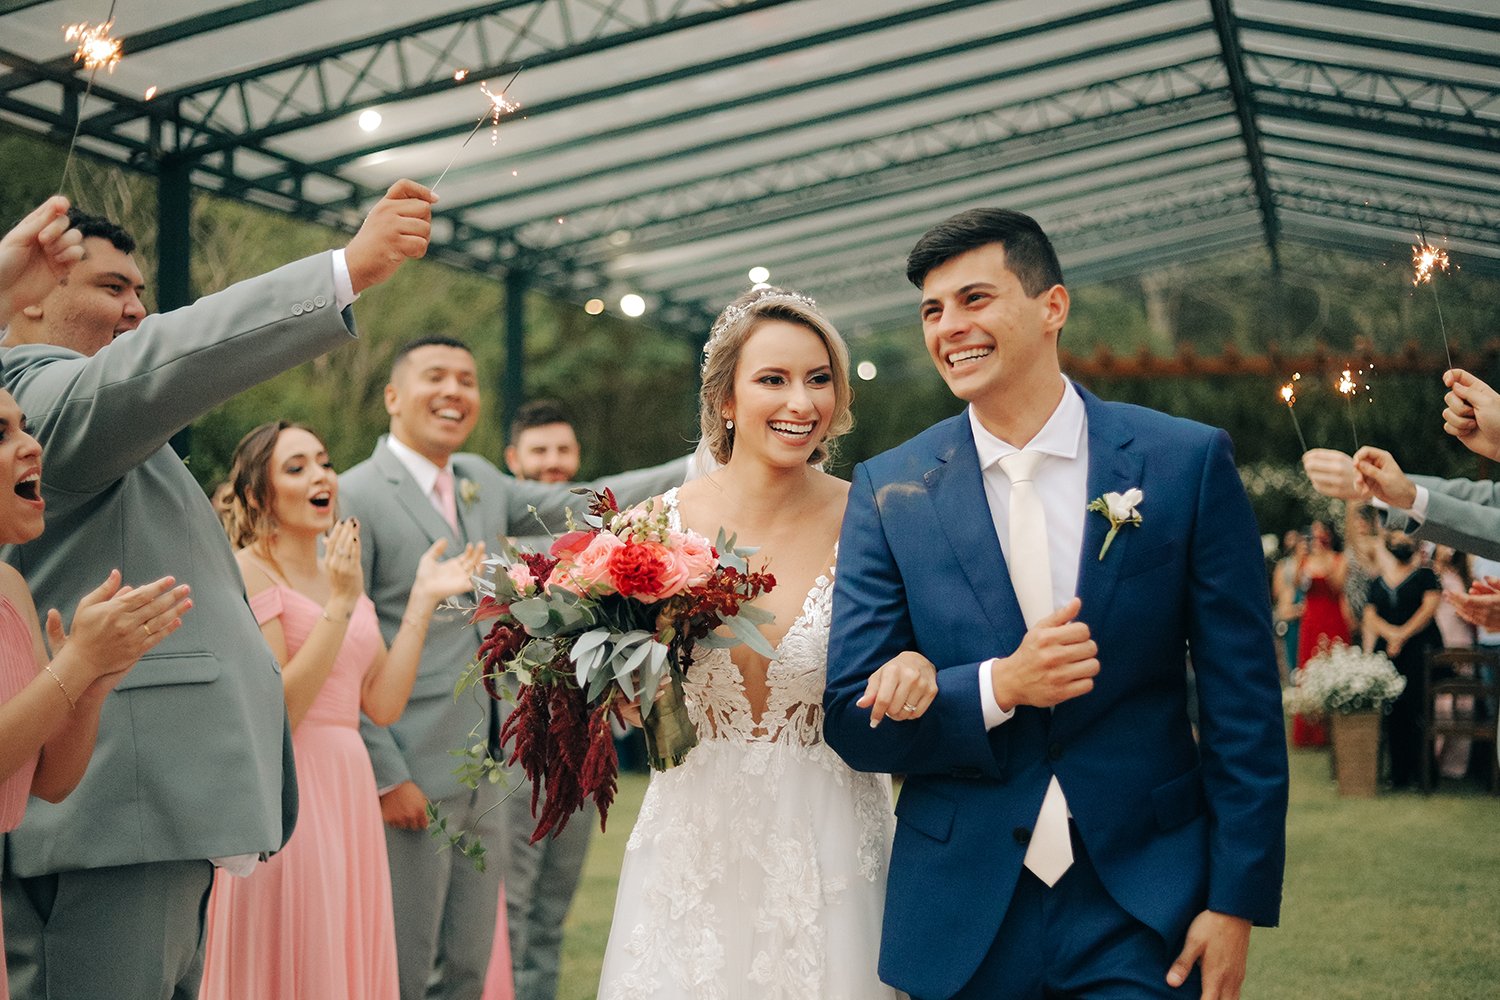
(909,707)
(146,627)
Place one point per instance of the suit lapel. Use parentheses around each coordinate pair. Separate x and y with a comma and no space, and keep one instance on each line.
(956,488)
(1113,468)
(470,515)
(410,496)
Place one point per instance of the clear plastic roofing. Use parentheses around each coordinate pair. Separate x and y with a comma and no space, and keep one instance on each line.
(666,147)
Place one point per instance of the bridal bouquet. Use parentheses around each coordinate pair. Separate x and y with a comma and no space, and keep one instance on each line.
(1345,679)
(612,612)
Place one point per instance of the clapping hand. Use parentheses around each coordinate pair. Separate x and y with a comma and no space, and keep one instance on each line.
(439,579)
(1481,605)
(1473,413)
(36,255)
(341,555)
(901,688)
(114,626)
(396,228)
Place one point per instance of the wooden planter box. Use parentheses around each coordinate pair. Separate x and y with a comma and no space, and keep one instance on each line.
(1356,748)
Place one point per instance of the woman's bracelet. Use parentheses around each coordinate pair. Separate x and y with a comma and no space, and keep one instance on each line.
(61,686)
(335,620)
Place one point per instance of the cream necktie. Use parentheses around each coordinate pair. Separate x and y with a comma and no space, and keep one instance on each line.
(443,489)
(1050,852)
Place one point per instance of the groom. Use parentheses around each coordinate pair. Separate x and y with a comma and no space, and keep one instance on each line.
(1060,832)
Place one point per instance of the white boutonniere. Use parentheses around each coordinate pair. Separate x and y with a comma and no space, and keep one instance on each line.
(1120,509)
(468,491)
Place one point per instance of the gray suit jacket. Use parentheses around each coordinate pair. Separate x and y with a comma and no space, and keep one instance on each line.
(1462,513)
(397,523)
(194,754)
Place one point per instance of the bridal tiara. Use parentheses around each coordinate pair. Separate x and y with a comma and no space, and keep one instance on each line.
(736,311)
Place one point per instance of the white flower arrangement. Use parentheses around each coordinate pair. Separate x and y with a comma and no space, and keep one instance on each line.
(1344,679)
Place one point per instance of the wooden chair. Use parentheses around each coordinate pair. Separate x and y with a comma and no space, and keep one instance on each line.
(1483,686)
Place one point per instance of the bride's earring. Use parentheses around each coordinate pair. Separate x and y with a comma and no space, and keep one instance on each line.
(729,425)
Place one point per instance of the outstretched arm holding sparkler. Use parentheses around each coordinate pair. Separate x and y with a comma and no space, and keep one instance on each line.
(36,255)
(1473,413)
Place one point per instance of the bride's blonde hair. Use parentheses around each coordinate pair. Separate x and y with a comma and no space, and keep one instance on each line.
(721,357)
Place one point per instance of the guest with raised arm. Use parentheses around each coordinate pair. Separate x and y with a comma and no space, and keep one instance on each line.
(194,758)
(315,922)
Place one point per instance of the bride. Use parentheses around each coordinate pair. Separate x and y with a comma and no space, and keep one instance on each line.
(757,868)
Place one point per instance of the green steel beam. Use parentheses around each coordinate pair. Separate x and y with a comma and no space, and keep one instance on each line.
(1226,26)
(1445,53)
(1485,138)
(1429,15)
(1438,162)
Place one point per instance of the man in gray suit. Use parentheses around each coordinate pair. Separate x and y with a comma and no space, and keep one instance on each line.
(104,893)
(541,878)
(414,489)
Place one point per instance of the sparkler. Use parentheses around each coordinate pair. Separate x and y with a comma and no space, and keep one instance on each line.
(95,49)
(1426,259)
(498,106)
(1347,386)
(1289,396)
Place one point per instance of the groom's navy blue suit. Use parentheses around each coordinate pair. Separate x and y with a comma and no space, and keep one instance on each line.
(1171,826)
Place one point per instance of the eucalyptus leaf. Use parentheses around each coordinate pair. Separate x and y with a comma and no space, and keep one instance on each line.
(597,685)
(532,613)
(758,615)
(716,641)
(751,636)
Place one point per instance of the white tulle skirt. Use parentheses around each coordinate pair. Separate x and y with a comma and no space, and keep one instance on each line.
(756,871)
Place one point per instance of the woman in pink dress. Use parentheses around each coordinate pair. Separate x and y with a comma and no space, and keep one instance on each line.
(315,921)
(49,712)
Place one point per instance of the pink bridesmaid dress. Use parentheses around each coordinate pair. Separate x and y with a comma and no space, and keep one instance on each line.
(314,922)
(17,669)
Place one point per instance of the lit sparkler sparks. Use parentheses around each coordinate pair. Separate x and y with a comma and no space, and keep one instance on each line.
(499,105)
(1426,259)
(1289,396)
(95,49)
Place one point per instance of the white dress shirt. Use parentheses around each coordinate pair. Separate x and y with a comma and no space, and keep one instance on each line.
(1062,483)
(422,470)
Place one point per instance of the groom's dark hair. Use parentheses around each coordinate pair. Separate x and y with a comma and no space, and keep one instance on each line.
(1028,252)
(430,340)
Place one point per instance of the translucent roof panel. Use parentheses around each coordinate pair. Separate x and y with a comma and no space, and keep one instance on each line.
(668,147)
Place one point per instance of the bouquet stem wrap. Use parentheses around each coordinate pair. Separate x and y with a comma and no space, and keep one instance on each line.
(669,730)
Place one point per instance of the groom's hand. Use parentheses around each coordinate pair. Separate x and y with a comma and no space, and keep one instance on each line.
(1056,661)
(1222,944)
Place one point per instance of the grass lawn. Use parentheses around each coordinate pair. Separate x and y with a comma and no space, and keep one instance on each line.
(1393,897)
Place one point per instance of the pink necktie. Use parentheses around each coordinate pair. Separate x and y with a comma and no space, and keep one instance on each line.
(443,488)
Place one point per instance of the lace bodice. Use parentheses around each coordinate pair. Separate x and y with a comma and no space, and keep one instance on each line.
(793,713)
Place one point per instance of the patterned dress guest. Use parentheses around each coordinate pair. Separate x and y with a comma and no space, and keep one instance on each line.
(315,921)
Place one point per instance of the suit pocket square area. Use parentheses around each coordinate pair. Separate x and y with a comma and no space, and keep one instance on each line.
(158,671)
(1179,800)
(1148,560)
(926,811)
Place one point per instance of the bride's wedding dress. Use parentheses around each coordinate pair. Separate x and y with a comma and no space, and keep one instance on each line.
(757,867)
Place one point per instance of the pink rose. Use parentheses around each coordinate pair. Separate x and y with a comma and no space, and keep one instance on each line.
(562,579)
(696,554)
(521,577)
(591,566)
(647,571)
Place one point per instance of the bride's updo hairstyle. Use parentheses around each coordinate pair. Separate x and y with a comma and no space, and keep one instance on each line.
(721,358)
(250,519)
